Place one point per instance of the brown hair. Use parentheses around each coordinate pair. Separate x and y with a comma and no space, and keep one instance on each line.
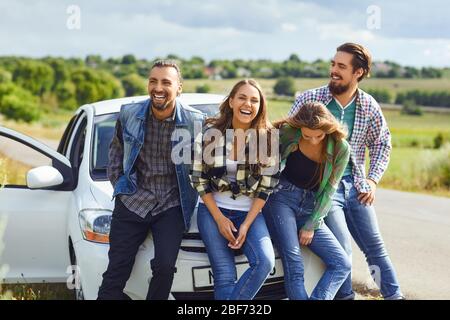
(316,116)
(261,123)
(361,57)
(224,120)
(168,64)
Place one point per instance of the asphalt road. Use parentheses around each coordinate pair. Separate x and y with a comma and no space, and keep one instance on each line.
(416,231)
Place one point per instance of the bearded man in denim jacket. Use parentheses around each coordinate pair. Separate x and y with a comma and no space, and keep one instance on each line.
(152,192)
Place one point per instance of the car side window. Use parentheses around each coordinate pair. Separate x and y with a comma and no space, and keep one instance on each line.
(77,147)
(68,134)
(64,142)
(16,159)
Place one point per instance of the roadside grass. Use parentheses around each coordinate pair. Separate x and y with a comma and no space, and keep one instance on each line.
(412,170)
(59,291)
(51,126)
(38,291)
(16,170)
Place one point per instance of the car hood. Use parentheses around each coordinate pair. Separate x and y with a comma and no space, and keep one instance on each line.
(102,192)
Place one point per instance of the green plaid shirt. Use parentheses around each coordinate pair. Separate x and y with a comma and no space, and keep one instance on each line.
(337,157)
(251,180)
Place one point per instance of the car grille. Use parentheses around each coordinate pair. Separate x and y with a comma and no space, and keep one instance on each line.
(270,291)
(192,242)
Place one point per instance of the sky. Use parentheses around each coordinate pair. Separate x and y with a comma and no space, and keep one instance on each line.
(413,33)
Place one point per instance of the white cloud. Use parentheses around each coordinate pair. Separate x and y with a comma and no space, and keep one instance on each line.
(225,29)
(288,27)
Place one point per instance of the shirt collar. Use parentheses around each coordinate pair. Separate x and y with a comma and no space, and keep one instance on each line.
(169,119)
(349,103)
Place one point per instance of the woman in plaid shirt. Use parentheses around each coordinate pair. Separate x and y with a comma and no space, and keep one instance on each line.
(233,189)
(313,146)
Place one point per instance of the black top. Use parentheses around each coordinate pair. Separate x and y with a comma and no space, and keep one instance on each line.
(302,171)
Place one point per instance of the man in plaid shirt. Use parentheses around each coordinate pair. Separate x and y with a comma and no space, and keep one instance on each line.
(352,212)
(152,192)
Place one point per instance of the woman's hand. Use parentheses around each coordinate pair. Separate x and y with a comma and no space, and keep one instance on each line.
(305,237)
(242,235)
(226,228)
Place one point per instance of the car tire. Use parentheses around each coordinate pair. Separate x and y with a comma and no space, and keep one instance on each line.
(79,295)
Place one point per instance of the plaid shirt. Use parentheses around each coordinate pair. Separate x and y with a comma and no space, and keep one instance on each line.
(157,186)
(337,157)
(207,178)
(370,130)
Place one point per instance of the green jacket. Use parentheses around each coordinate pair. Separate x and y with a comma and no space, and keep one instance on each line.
(337,157)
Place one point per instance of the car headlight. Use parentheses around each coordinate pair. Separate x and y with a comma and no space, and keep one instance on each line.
(95,224)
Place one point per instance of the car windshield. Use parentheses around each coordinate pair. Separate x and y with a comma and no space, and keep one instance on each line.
(104,127)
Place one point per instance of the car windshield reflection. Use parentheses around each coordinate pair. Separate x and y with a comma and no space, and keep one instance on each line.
(104,126)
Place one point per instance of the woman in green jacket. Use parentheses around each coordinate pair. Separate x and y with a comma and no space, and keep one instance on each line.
(315,153)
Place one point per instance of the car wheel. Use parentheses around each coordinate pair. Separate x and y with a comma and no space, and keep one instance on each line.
(79,295)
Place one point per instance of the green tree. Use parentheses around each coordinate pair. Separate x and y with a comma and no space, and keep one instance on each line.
(128,59)
(61,70)
(35,76)
(66,94)
(134,85)
(5,76)
(285,86)
(381,95)
(18,104)
(94,85)
(93,61)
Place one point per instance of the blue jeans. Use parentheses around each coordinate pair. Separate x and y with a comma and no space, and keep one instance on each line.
(286,211)
(348,217)
(257,248)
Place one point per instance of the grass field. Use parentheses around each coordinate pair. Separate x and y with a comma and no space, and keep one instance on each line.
(302,84)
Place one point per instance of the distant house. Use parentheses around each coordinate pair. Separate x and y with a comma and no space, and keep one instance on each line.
(213,73)
(243,73)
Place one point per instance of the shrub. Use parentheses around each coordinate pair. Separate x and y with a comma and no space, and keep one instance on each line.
(381,95)
(5,76)
(438,140)
(134,85)
(410,108)
(435,168)
(285,86)
(18,104)
(204,88)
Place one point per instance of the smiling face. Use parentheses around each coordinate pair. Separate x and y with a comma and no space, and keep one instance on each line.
(313,136)
(342,75)
(245,105)
(163,87)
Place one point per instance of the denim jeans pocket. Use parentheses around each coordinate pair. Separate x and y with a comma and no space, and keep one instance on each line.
(282,186)
(307,204)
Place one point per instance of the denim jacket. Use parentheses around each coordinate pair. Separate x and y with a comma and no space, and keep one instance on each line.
(133,118)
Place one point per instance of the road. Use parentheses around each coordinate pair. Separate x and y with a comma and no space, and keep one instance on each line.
(25,155)
(416,231)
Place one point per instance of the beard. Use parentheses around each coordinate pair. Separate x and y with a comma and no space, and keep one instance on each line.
(160,106)
(338,89)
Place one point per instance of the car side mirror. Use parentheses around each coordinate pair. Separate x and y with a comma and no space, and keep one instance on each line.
(43,177)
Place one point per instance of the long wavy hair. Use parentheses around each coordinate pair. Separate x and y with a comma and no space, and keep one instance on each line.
(225,117)
(261,123)
(316,116)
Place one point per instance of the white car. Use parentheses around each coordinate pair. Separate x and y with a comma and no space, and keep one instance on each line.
(58,218)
